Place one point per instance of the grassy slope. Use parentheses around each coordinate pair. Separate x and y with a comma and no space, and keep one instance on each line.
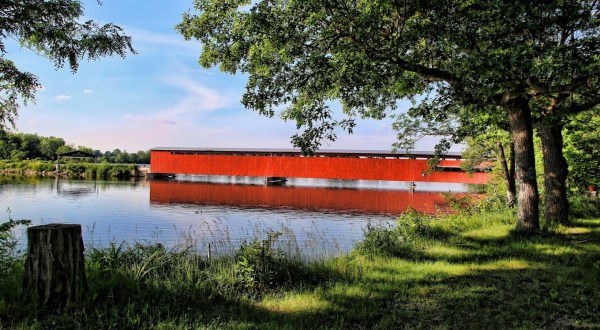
(464,273)
(482,278)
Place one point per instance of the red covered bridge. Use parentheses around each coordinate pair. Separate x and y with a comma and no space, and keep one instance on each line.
(325,164)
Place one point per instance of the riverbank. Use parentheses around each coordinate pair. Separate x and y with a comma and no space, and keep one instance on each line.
(68,169)
(466,270)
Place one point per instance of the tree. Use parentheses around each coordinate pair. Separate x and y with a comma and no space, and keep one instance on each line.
(487,138)
(65,148)
(30,144)
(582,149)
(49,146)
(8,143)
(52,29)
(494,145)
(368,54)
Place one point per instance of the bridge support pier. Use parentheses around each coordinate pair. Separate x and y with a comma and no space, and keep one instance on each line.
(412,186)
(275,181)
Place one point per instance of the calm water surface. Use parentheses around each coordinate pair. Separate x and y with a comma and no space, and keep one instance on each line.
(317,218)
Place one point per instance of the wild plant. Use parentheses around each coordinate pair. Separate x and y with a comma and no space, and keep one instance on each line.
(410,233)
(261,266)
(11,264)
(380,240)
(584,207)
(8,241)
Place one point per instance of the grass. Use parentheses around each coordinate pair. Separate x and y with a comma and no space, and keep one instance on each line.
(459,271)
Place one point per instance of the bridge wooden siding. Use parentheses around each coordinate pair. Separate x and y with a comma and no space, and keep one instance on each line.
(345,165)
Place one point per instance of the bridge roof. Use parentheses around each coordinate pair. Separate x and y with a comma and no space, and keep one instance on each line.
(297,152)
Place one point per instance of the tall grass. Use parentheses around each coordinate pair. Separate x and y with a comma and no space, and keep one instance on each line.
(464,270)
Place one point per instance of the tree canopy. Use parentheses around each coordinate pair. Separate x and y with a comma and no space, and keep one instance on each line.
(301,54)
(509,57)
(19,146)
(52,29)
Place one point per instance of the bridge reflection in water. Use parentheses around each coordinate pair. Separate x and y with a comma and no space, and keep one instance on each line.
(369,201)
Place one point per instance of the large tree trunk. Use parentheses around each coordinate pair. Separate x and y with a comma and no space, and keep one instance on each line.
(509,174)
(511,169)
(521,128)
(54,270)
(556,170)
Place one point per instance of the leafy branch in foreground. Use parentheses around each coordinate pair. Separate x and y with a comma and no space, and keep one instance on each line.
(53,30)
(8,241)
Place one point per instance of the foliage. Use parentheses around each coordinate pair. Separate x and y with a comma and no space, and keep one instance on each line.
(582,150)
(585,208)
(8,242)
(380,241)
(98,171)
(395,241)
(21,146)
(472,204)
(53,29)
(11,263)
(260,266)
(475,60)
(483,148)
(73,169)
(414,231)
(303,54)
(461,273)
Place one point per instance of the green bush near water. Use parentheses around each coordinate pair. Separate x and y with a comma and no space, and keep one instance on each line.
(98,170)
(73,169)
(462,270)
(20,166)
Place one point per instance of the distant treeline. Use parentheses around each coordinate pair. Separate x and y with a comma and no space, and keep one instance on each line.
(21,146)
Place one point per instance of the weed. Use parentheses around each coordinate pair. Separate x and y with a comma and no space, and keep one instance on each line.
(260,266)
(582,207)
(8,241)
(381,240)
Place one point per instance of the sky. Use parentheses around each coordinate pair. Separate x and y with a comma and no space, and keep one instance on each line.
(160,97)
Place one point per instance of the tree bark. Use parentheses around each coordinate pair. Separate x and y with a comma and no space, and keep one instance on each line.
(55,269)
(556,170)
(509,177)
(521,128)
(511,169)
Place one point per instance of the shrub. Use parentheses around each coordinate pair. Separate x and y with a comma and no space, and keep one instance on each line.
(11,265)
(8,242)
(74,169)
(260,266)
(381,240)
(581,207)
(41,166)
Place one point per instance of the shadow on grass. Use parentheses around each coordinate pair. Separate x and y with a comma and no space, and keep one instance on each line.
(511,281)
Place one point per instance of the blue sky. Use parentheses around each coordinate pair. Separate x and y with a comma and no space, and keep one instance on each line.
(160,97)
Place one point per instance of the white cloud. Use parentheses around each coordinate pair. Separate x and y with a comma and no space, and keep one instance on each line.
(62,98)
(147,37)
(198,99)
(87,91)
(40,88)
(150,120)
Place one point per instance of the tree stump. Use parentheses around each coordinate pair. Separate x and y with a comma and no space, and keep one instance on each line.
(55,269)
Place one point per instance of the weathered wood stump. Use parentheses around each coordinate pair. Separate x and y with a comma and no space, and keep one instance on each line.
(55,268)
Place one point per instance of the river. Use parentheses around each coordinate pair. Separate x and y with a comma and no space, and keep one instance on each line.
(316,217)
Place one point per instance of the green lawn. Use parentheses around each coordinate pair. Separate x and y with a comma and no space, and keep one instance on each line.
(455,272)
